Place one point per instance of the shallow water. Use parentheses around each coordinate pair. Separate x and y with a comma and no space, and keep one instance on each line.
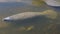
(13,28)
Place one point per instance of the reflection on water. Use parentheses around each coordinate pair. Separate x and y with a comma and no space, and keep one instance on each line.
(25,28)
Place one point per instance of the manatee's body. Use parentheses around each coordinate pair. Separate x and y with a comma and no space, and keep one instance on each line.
(22,16)
(25,15)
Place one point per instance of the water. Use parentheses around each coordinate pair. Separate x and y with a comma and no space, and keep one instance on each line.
(7,9)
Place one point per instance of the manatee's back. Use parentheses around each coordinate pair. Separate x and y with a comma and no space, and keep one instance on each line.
(25,15)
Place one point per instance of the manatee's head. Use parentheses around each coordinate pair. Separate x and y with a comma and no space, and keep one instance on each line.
(7,19)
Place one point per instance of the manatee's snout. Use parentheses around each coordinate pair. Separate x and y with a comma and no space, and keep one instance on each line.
(7,19)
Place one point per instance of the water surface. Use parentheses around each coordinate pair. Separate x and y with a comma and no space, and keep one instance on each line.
(7,9)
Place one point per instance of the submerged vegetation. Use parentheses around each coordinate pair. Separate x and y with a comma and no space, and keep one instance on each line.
(37,2)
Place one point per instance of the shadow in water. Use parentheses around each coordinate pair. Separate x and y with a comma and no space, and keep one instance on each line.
(38,20)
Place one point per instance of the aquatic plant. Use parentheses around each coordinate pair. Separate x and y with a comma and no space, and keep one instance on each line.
(37,2)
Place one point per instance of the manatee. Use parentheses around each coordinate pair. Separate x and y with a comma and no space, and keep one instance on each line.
(51,14)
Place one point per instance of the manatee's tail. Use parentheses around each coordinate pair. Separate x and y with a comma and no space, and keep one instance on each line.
(50,14)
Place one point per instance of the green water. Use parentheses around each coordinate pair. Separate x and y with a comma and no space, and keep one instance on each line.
(11,28)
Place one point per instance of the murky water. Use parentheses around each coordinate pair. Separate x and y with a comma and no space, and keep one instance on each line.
(12,28)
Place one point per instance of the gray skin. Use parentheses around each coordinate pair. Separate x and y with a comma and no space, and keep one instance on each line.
(23,16)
